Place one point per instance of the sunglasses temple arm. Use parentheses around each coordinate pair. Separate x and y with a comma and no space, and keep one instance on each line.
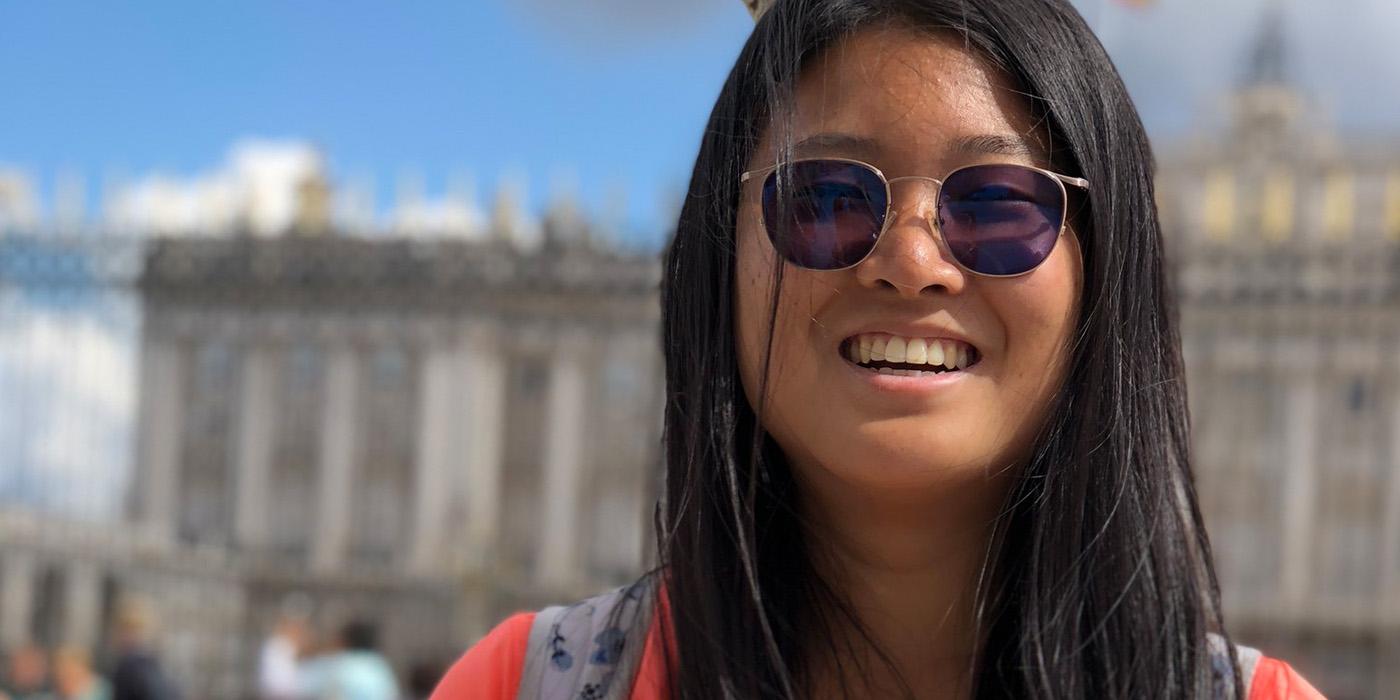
(749,175)
(1076,181)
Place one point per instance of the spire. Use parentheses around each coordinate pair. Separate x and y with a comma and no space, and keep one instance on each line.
(1268,61)
(564,222)
(1268,108)
(509,220)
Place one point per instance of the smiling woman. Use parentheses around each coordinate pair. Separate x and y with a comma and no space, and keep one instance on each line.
(925,429)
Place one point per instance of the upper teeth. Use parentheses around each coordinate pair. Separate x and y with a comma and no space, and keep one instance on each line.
(874,347)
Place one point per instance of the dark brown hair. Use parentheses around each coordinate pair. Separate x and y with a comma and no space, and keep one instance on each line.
(1101,585)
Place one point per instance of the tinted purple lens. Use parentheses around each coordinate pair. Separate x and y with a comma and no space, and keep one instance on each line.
(827,216)
(1000,219)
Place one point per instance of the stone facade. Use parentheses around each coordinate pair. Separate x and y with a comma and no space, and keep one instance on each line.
(430,435)
(436,432)
(1284,240)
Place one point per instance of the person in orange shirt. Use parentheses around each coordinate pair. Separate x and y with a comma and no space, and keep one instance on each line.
(926,431)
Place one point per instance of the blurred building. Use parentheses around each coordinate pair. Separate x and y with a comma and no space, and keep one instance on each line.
(1285,240)
(429,434)
(438,419)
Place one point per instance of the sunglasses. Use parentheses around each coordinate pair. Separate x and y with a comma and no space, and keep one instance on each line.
(997,220)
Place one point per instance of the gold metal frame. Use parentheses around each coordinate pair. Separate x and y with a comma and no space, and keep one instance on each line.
(1058,178)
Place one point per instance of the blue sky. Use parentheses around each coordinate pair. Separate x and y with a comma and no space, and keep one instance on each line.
(610,94)
(381,87)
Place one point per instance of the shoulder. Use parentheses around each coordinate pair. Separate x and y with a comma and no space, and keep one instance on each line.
(1276,680)
(492,667)
(590,645)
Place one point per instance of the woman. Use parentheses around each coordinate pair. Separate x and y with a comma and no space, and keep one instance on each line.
(926,432)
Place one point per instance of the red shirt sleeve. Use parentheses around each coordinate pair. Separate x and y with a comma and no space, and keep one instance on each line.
(491,669)
(1276,680)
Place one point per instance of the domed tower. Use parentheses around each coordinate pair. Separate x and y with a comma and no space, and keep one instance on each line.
(1283,236)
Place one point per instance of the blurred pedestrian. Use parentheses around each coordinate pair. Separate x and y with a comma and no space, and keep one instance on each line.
(26,674)
(277,659)
(423,677)
(74,679)
(137,674)
(353,670)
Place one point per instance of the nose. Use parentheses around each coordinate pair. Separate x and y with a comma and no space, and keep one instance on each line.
(910,256)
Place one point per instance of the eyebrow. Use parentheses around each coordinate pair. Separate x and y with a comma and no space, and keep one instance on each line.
(973,145)
(843,143)
(992,144)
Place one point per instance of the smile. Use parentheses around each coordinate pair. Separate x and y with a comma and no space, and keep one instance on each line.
(882,353)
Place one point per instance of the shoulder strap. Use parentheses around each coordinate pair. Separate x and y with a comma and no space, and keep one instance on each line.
(589,650)
(1220,664)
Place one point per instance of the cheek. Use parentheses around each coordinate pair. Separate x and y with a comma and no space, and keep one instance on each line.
(800,296)
(753,289)
(1041,316)
(1060,303)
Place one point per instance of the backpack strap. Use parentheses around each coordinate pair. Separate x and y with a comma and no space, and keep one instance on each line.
(589,650)
(1220,664)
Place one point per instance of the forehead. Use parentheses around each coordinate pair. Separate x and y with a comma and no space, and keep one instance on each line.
(903,93)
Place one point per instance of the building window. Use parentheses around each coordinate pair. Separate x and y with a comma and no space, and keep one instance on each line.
(1358,395)
(1339,205)
(386,457)
(296,454)
(533,377)
(1392,206)
(206,490)
(1220,204)
(1276,206)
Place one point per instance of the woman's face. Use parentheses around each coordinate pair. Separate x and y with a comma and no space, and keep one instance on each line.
(909,104)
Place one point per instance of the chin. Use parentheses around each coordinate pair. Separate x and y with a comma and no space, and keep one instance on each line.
(879,467)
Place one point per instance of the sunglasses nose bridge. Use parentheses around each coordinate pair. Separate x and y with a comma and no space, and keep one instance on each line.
(901,178)
(894,209)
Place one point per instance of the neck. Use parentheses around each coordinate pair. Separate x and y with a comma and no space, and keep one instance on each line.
(908,563)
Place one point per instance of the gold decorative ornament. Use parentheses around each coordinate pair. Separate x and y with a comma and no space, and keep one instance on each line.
(758,7)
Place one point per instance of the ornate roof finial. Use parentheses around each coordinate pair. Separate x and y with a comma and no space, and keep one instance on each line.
(758,7)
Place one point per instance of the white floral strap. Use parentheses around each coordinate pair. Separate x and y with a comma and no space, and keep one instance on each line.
(1220,664)
(589,650)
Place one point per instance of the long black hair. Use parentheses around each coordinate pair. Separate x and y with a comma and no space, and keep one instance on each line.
(1100,583)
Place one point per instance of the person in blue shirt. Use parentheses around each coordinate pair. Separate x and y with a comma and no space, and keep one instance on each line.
(354,671)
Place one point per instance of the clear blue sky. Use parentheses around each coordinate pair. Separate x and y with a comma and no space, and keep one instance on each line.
(380,86)
(613,91)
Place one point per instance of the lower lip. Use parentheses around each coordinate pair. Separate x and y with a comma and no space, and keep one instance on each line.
(919,385)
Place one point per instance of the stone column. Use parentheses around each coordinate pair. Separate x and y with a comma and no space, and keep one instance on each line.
(257,421)
(1299,477)
(632,453)
(339,436)
(654,458)
(439,401)
(17,573)
(82,604)
(163,370)
(1390,519)
(563,462)
(484,424)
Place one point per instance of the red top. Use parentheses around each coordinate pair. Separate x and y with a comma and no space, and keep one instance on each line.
(491,670)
